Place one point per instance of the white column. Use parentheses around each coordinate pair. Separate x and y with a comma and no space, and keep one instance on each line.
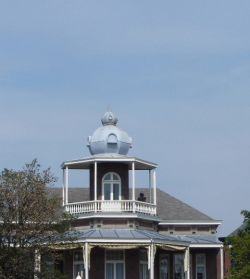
(86,261)
(152,260)
(95,185)
(150,185)
(221,263)
(37,267)
(67,185)
(154,185)
(133,181)
(133,185)
(63,189)
(187,263)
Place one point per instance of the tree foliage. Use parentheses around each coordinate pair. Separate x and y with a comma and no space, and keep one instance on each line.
(30,218)
(240,251)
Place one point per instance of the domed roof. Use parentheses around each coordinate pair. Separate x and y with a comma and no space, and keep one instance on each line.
(109,138)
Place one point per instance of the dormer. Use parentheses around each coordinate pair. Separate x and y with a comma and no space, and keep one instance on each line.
(112,174)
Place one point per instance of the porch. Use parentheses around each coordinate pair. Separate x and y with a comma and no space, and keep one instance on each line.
(138,254)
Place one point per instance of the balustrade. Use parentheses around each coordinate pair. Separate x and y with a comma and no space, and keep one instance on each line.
(111,206)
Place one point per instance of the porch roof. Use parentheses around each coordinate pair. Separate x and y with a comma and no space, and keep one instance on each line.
(137,236)
(85,163)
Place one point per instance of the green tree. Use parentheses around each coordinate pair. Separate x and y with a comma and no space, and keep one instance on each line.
(31,219)
(240,252)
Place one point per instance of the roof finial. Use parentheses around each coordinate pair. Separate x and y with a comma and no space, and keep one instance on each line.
(109,118)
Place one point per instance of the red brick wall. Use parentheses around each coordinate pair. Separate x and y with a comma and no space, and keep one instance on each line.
(227,262)
(132,263)
(97,264)
(68,264)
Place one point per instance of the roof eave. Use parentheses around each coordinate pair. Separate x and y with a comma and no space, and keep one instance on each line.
(85,163)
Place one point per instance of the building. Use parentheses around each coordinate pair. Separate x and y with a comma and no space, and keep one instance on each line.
(122,231)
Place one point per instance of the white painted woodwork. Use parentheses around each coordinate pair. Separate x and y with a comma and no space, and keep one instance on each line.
(154,185)
(67,185)
(111,206)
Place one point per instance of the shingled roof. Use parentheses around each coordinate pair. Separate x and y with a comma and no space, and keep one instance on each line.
(168,207)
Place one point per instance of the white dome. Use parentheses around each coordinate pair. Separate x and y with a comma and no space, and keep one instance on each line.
(109,138)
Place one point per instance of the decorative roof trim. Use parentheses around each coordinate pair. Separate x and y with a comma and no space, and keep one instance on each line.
(85,161)
(206,245)
(181,223)
(128,216)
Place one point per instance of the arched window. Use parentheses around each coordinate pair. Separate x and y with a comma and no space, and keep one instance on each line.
(111,186)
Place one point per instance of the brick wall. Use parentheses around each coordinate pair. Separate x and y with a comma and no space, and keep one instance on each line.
(97,267)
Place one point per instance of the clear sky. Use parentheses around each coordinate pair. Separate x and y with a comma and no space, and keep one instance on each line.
(176,73)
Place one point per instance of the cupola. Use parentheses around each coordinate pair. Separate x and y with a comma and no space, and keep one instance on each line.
(109,139)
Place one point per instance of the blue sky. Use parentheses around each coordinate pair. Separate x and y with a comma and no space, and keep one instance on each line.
(176,73)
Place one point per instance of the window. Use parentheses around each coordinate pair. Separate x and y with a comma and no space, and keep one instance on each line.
(143,269)
(200,266)
(178,266)
(111,186)
(164,267)
(112,143)
(78,266)
(114,264)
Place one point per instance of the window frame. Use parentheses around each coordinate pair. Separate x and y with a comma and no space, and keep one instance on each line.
(80,262)
(200,265)
(163,256)
(174,264)
(114,262)
(144,264)
(111,182)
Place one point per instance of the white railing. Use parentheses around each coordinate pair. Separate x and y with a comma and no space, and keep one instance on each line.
(111,206)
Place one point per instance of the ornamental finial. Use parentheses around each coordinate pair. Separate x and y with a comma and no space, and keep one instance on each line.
(109,118)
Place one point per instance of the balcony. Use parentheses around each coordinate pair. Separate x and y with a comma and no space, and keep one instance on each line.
(111,206)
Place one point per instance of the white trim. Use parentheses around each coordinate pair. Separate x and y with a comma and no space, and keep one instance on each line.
(123,216)
(206,245)
(111,182)
(150,185)
(109,159)
(203,265)
(64,185)
(123,241)
(95,181)
(67,185)
(221,263)
(190,223)
(133,181)
(154,186)
(86,260)
(187,263)
(152,260)
(123,261)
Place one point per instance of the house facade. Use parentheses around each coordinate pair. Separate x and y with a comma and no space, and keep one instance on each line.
(125,232)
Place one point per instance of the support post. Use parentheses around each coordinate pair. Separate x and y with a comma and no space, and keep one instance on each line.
(95,185)
(150,185)
(154,185)
(187,263)
(63,189)
(133,185)
(221,263)
(86,267)
(37,267)
(67,185)
(152,260)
